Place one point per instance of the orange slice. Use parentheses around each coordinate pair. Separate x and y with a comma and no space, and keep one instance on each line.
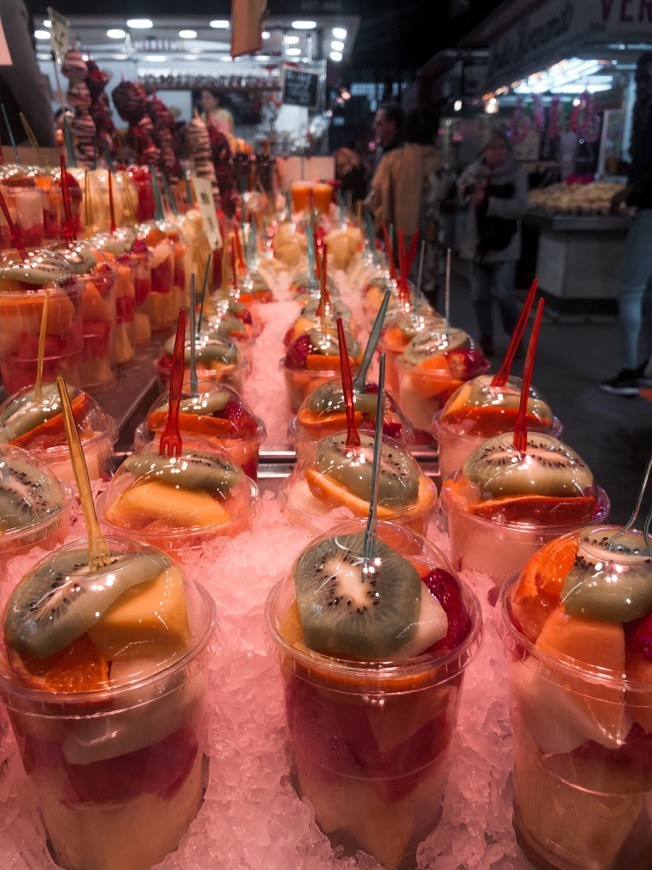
(325,423)
(317,362)
(77,668)
(395,339)
(544,509)
(325,488)
(203,423)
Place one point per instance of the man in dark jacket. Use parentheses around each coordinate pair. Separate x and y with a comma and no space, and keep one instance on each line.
(635,294)
(388,129)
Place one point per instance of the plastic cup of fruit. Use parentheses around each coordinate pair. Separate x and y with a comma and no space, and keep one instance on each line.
(22,294)
(503,505)
(371,717)
(309,319)
(99,324)
(179,504)
(38,426)
(332,483)
(477,411)
(217,414)
(140,260)
(35,505)
(161,305)
(430,369)
(323,413)
(577,627)
(140,180)
(112,726)
(400,328)
(25,203)
(218,360)
(300,192)
(311,360)
(323,196)
(116,246)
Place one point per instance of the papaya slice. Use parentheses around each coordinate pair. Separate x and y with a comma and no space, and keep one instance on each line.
(79,667)
(203,423)
(546,510)
(317,362)
(54,427)
(395,339)
(487,420)
(326,423)
(433,377)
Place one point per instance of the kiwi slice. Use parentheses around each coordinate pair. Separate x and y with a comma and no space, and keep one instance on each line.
(42,267)
(326,343)
(207,350)
(28,495)
(80,258)
(197,470)
(329,399)
(23,413)
(349,612)
(427,344)
(54,605)
(398,484)
(609,585)
(548,467)
(206,403)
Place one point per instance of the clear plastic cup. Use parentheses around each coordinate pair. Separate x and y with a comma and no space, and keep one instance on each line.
(217,414)
(503,505)
(300,191)
(161,304)
(35,504)
(25,204)
(117,762)
(369,738)
(581,710)
(140,260)
(323,196)
(332,483)
(477,411)
(218,360)
(290,244)
(431,368)
(38,426)
(324,413)
(311,360)
(344,243)
(400,328)
(179,504)
(99,324)
(22,293)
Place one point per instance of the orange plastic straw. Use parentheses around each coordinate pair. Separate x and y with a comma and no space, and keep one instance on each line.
(520,427)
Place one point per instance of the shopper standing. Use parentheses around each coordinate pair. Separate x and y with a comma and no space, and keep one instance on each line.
(388,130)
(495,190)
(635,292)
(214,114)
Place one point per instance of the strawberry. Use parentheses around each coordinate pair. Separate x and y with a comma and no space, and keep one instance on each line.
(446,590)
(465,364)
(639,637)
(298,352)
(242,423)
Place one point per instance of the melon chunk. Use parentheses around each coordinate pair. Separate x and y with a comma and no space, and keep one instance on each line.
(149,619)
(154,500)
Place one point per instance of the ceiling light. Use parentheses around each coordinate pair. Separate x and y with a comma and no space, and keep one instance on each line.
(337,46)
(304,25)
(41,34)
(140,23)
(293,52)
(457,106)
(188,34)
(491,106)
(47,23)
(116,33)
(219,24)
(265,34)
(155,58)
(291,40)
(336,56)
(339,32)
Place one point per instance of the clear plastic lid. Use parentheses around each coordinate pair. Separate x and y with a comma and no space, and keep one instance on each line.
(227,326)
(211,351)
(82,257)
(318,349)
(215,412)
(477,408)
(323,412)
(404,603)
(438,342)
(115,627)
(115,243)
(31,494)
(38,424)
(401,326)
(203,490)
(343,244)
(290,244)
(40,268)
(332,475)
(547,484)
(338,308)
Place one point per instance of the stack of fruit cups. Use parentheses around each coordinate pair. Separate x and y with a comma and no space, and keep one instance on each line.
(577,625)
(24,279)
(372,692)
(36,424)
(108,700)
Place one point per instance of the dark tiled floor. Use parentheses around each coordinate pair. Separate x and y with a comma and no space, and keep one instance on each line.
(613,434)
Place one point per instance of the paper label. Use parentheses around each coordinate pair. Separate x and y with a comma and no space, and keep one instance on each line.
(59,32)
(206,203)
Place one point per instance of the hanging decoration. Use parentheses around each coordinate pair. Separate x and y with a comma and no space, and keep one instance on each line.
(584,119)
(554,118)
(520,125)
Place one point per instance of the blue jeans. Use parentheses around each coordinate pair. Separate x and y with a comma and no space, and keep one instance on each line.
(498,277)
(635,292)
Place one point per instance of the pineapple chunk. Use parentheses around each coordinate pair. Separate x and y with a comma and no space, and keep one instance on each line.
(149,619)
(155,500)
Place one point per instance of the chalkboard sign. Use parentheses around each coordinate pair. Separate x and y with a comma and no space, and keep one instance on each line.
(300,88)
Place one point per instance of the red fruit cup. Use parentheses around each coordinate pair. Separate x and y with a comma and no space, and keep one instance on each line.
(431,368)
(140,261)
(116,756)
(141,181)
(179,504)
(503,505)
(217,414)
(581,701)
(22,293)
(35,504)
(477,411)
(25,203)
(99,322)
(332,483)
(369,738)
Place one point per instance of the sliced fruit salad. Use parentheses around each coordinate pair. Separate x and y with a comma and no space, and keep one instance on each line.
(318,350)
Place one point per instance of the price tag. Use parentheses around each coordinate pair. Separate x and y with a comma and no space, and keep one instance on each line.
(59,32)
(206,203)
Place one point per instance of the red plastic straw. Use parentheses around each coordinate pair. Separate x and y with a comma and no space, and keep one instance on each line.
(352,437)
(238,245)
(500,378)
(16,240)
(111,205)
(324,297)
(170,444)
(390,252)
(233,265)
(520,427)
(68,231)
